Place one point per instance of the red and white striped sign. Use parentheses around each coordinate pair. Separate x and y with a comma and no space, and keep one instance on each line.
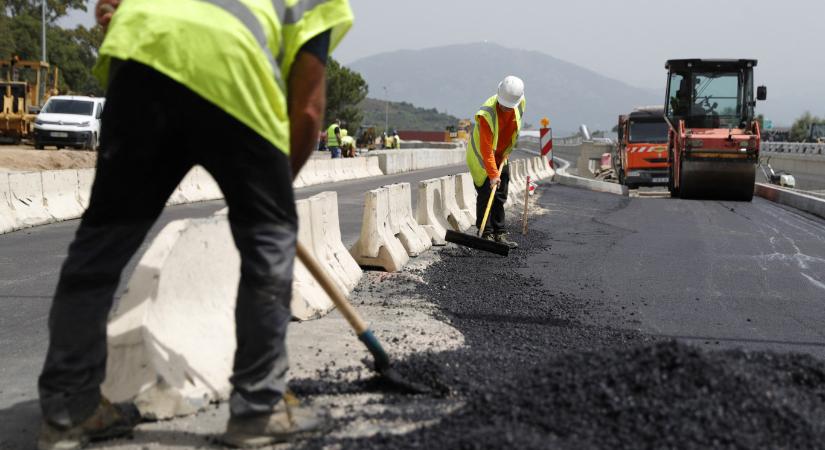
(546,140)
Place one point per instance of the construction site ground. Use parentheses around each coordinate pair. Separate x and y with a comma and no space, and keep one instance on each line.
(24,158)
(590,335)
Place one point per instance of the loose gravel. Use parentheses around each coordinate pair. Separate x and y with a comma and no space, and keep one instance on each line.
(537,373)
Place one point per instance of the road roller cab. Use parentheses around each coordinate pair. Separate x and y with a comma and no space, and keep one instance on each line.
(713,140)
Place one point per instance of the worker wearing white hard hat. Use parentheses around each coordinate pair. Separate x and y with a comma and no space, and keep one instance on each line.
(494,136)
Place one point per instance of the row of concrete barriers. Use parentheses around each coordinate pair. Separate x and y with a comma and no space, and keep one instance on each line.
(390,234)
(36,198)
(172,337)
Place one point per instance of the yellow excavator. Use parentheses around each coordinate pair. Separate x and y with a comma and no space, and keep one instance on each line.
(25,87)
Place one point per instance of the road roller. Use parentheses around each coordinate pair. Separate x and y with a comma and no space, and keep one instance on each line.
(714,139)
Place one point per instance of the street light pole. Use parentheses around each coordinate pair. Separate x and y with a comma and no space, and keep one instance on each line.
(43,29)
(386,111)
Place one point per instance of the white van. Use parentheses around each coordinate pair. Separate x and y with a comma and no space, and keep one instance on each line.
(69,121)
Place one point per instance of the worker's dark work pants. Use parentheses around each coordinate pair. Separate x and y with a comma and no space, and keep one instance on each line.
(495,223)
(154,131)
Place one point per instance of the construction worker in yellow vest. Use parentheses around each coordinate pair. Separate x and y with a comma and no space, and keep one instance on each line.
(334,139)
(494,136)
(238,88)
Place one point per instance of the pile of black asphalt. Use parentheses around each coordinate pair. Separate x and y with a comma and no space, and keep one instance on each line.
(537,372)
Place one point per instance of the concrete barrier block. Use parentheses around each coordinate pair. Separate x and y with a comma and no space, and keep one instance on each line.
(326,241)
(309,300)
(530,169)
(410,218)
(373,169)
(206,185)
(456,217)
(307,173)
(428,212)
(465,194)
(414,238)
(60,194)
(8,221)
(517,175)
(325,171)
(798,200)
(592,185)
(27,199)
(85,180)
(377,246)
(172,338)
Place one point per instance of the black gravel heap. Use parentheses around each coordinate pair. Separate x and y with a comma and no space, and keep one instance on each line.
(535,373)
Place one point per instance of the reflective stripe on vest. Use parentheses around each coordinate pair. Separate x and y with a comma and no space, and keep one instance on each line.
(246,17)
(487,112)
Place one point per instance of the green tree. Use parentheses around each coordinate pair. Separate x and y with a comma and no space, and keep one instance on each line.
(345,90)
(73,51)
(801,128)
(55,9)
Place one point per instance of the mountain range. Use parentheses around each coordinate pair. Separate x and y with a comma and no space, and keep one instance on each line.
(457,79)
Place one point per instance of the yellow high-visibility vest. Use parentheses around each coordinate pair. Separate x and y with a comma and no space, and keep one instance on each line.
(332,139)
(234,53)
(487,112)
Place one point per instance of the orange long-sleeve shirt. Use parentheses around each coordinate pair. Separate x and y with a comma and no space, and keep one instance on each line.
(507,124)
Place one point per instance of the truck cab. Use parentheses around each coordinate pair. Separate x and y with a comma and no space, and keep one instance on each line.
(642,156)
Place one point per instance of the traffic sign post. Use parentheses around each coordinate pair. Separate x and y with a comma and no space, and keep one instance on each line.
(546,139)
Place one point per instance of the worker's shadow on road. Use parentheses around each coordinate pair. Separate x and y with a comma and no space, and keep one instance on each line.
(19,425)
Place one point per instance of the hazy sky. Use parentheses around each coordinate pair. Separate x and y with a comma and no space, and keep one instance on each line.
(628,40)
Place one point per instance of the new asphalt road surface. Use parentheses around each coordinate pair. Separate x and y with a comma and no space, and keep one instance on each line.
(603,289)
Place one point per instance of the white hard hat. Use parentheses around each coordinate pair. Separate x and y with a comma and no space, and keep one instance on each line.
(510,91)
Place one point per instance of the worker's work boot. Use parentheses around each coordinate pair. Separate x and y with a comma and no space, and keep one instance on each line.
(488,236)
(286,422)
(107,422)
(501,238)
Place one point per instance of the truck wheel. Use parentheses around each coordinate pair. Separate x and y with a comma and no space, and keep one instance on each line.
(38,145)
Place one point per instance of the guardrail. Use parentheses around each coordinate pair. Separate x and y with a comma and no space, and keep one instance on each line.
(801,148)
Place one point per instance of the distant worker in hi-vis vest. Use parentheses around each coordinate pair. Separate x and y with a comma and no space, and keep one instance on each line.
(238,88)
(494,136)
(334,139)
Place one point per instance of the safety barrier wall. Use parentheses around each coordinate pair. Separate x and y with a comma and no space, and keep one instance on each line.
(426,144)
(8,220)
(399,161)
(794,199)
(172,337)
(378,244)
(38,198)
(465,193)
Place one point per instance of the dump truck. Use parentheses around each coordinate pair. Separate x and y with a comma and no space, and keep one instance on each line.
(641,157)
(25,86)
(713,139)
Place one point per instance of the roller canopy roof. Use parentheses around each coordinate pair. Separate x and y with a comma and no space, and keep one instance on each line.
(718,63)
